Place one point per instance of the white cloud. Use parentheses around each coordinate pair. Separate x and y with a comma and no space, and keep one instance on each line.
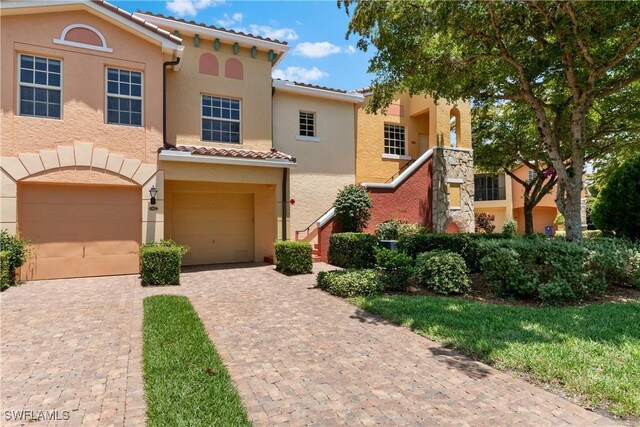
(299,74)
(190,7)
(230,21)
(321,49)
(273,33)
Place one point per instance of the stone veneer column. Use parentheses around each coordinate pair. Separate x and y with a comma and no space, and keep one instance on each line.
(452,166)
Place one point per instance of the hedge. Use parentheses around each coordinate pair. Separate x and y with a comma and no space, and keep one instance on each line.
(352,250)
(6,272)
(443,272)
(349,283)
(294,257)
(394,269)
(160,262)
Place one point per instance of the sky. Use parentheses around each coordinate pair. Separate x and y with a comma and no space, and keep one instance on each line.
(315,30)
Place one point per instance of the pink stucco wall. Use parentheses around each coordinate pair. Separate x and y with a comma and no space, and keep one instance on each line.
(83,87)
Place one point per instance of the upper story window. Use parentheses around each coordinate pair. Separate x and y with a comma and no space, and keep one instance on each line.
(220,119)
(489,187)
(124,97)
(394,140)
(307,124)
(40,87)
(532,175)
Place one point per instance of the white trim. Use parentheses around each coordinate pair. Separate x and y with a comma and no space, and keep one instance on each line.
(106,96)
(178,156)
(239,121)
(287,86)
(193,29)
(63,38)
(404,175)
(326,217)
(396,157)
(455,181)
(35,85)
(307,138)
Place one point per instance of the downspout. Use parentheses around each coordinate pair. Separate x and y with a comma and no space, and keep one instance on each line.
(165,144)
(285,176)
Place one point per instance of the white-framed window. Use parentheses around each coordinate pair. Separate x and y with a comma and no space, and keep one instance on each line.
(220,119)
(394,139)
(39,86)
(124,97)
(307,124)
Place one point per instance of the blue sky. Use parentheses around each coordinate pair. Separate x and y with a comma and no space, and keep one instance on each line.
(315,30)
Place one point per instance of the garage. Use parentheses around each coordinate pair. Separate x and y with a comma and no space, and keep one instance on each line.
(217,227)
(79,231)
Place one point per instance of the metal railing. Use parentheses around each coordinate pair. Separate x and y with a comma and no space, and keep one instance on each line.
(312,224)
(395,175)
(489,193)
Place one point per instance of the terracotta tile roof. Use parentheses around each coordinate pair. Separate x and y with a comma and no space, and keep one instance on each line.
(136,19)
(330,89)
(212,27)
(364,89)
(233,152)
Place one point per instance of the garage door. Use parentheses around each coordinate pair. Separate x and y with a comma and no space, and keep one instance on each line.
(79,231)
(217,227)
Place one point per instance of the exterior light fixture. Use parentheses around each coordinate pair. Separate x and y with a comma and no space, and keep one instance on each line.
(153,191)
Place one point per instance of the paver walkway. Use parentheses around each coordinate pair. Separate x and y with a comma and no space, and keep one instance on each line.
(297,355)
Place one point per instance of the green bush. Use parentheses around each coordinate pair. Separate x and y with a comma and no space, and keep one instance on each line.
(16,255)
(405,229)
(6,272)
(352,250)
(632,270)
(618,258)
(413,245)
(394,269)
(443,272)
(294,257)
(160,262)
(388,230)
(506,273)
(617,208)
(352,208)
(510,228)
(349,283)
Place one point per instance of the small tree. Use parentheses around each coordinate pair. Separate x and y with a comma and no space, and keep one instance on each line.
(352,208)
(617,207)
(484,222)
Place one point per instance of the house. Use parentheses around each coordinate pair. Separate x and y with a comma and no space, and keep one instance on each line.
(121,129)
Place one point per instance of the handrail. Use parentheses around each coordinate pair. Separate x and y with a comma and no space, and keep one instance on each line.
(395,175)
(313,223)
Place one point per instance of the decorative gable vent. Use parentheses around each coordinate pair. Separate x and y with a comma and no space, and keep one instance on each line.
(83,36)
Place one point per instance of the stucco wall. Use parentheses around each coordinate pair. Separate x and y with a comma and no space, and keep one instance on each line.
(500,213)
(185,87)
(83,87)
(324,166)
(518,191)
(542,217)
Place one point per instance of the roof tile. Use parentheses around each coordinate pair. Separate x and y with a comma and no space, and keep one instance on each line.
(233,152)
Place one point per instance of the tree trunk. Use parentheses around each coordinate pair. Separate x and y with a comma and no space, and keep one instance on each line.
(528,219)
(573,208)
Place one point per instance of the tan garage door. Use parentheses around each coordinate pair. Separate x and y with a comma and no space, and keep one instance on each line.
(217,227)
(79,231)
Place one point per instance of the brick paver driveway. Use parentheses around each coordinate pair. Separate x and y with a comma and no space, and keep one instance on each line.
(298,357)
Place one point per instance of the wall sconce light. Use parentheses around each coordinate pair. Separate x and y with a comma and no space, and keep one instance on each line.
(153,192)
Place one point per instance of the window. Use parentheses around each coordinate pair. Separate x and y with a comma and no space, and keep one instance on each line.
(40,87)
(532,175)
(489,187)
(220,119)
(124,97)
(307,124)
(394,140)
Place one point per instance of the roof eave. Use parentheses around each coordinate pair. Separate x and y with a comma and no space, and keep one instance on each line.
(182,156)
(287,86)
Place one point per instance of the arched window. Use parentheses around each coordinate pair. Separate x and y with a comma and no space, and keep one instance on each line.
(84,36)
(233,69)
(208,64)
(454,127)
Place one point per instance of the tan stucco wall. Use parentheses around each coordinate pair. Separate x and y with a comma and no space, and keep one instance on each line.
(501,215)
(420,116)
(324,166)
(186,86)
(518,191)
(226,178)
(83,87)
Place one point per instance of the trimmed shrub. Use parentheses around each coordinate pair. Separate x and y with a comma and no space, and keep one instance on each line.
(394,269)
(405,229)
(510,228)
(426,242)
(632,270)
(16,255)
(352,208)
(6,272)
(160,262)
(443,272)
(506,273)
(619,259)
(349,283)
(293,257)
(388,230)
(352,250)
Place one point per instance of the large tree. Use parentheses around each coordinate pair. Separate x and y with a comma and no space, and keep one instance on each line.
(558,58)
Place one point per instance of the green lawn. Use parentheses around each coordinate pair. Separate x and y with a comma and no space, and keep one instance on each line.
(185,382)
(593,352)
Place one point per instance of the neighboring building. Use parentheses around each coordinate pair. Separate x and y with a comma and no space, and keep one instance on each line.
(90,168)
